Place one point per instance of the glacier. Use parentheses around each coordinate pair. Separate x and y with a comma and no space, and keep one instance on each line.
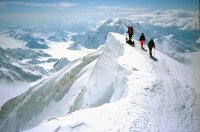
(13,68)
(116,88)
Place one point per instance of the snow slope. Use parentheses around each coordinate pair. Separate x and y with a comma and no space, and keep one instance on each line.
(170,40)
(120,82)
(80,84)
(158,95)
(97,36)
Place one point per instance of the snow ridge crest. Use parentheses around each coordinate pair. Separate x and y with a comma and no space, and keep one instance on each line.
(107,74)
(90,81)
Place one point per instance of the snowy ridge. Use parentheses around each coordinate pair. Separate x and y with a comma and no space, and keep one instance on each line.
(97,36)
(160,97)
(170,40)
(103,87)
(60,63)
(70,89)
(42,96)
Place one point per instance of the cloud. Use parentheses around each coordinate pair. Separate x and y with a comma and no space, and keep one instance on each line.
(108,7)
(51,5)
(176,13)
(183,19)
(11,90)
(8,42)
(120,10)
(93,13)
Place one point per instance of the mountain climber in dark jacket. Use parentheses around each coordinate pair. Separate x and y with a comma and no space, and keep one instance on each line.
(130,32)
(142,39)
(151,45)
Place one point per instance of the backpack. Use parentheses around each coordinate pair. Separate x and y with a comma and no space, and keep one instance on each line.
(130,30)
(151,44)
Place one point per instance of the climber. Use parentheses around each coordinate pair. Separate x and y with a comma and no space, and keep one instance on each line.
(151,45)
(142,40)
(130,32)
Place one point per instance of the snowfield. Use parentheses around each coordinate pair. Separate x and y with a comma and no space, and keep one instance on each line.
(59,50)
(117,88)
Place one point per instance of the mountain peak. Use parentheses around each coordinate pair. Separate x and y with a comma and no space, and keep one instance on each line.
(119,82)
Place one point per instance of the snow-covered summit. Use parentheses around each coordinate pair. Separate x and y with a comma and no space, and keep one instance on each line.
(128,90)
(172,41)
(97,36)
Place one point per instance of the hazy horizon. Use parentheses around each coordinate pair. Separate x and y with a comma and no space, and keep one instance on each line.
(49,12)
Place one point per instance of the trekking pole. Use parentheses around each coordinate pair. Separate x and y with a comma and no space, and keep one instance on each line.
(154,50)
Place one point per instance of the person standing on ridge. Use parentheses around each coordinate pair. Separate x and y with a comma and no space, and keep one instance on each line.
(142,40)
(130,32)
(151,45)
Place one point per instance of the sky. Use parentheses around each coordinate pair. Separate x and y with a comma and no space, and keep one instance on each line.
(49,11)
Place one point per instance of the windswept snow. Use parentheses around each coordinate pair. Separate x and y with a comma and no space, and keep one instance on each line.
(81,84)
(101,87)
(160,96)
(128,92)
(171,40)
